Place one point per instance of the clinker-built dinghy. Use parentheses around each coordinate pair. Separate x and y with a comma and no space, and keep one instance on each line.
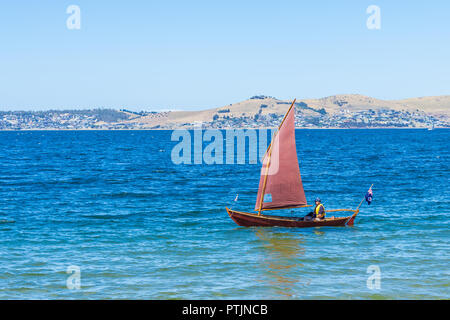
(280,186)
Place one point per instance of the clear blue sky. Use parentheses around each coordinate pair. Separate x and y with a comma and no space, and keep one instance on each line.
(199,54)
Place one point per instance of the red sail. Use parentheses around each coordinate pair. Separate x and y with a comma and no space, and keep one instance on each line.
(281,182)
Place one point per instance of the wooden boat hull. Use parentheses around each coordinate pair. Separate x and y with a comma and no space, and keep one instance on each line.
(246,219)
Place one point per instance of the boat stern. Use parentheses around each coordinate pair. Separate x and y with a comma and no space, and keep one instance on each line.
(351,221)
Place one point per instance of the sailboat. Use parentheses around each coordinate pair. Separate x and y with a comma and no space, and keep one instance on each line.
(280,186)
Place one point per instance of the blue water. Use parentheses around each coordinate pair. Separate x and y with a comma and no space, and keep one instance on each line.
(139,227)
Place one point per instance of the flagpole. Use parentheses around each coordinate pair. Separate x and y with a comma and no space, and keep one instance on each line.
(234,201)
(357,209)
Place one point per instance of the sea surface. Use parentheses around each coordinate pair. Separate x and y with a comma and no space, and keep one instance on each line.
(113,206)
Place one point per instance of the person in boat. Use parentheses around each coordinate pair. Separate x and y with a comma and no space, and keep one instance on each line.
(318,213)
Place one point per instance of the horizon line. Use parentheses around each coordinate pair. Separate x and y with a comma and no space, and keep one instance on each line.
(187,108)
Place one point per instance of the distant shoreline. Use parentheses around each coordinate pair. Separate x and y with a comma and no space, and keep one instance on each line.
(230,128)
(335,112)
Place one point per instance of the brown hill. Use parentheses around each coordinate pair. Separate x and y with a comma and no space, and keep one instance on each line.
(438,105)
(356,102)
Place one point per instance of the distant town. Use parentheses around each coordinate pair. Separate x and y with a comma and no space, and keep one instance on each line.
(103,119)
(260,115)
(382,118)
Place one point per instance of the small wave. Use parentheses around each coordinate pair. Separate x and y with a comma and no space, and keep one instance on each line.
(127,195)
(7,221)
(100,216)
(108,216)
